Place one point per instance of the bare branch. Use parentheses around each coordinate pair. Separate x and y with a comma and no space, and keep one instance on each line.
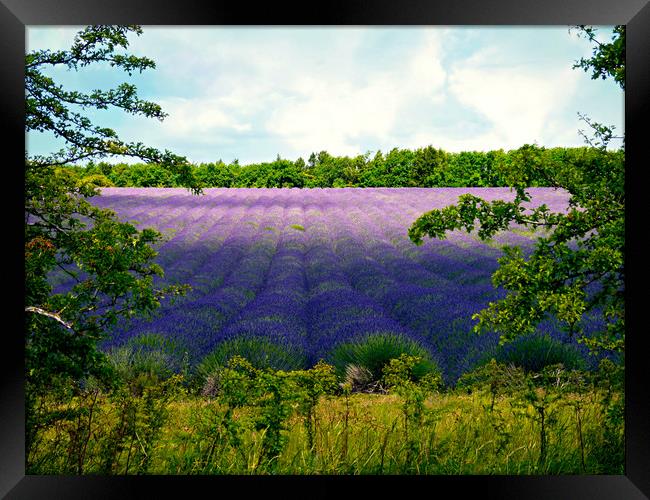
(54,316)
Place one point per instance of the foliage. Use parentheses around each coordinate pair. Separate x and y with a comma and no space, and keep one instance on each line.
(401,372)
(147,359)
(274,394)
(534,352)
(493,377)
(102,432)
(110,262)
(312,384)
(167,431)
(399,376)
(422,167)
(374,352)
(544,395)
(610,380)
(579,267)
(139,423)
(216,174)
(261,353)
(608,59)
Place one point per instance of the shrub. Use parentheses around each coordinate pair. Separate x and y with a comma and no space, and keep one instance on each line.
(374,352)
(260,352)
(149,357)
(534,352)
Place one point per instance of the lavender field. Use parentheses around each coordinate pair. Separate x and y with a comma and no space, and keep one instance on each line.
(308,269)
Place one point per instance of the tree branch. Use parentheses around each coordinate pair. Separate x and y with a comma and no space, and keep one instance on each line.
(54,316)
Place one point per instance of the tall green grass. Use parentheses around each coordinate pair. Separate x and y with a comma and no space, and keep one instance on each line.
(263,422)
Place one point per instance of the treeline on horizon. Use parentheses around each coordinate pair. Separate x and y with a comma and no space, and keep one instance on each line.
(423,167)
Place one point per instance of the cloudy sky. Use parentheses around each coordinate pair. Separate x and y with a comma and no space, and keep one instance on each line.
(252,93)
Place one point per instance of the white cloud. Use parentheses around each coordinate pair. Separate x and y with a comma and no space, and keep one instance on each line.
(426,74)
(200,118)
(332,113)
(520,101)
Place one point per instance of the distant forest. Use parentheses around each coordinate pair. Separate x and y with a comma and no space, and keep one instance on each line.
(424,167)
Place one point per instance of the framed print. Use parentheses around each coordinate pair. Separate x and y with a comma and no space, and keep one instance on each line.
(311,320)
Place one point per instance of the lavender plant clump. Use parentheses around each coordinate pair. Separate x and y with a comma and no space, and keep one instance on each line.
(308,269)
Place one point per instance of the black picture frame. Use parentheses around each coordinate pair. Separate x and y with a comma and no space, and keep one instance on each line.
(15,15)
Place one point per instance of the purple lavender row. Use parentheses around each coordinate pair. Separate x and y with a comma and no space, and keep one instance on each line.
(278,312)
(242,324)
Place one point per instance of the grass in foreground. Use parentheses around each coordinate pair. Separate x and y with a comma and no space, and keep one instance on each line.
(499,420)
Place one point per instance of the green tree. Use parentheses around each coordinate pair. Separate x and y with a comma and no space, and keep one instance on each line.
(283,173)
(430,167)
(577,267)
(322,168)
(109,262)
(216,174)
(608,59)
